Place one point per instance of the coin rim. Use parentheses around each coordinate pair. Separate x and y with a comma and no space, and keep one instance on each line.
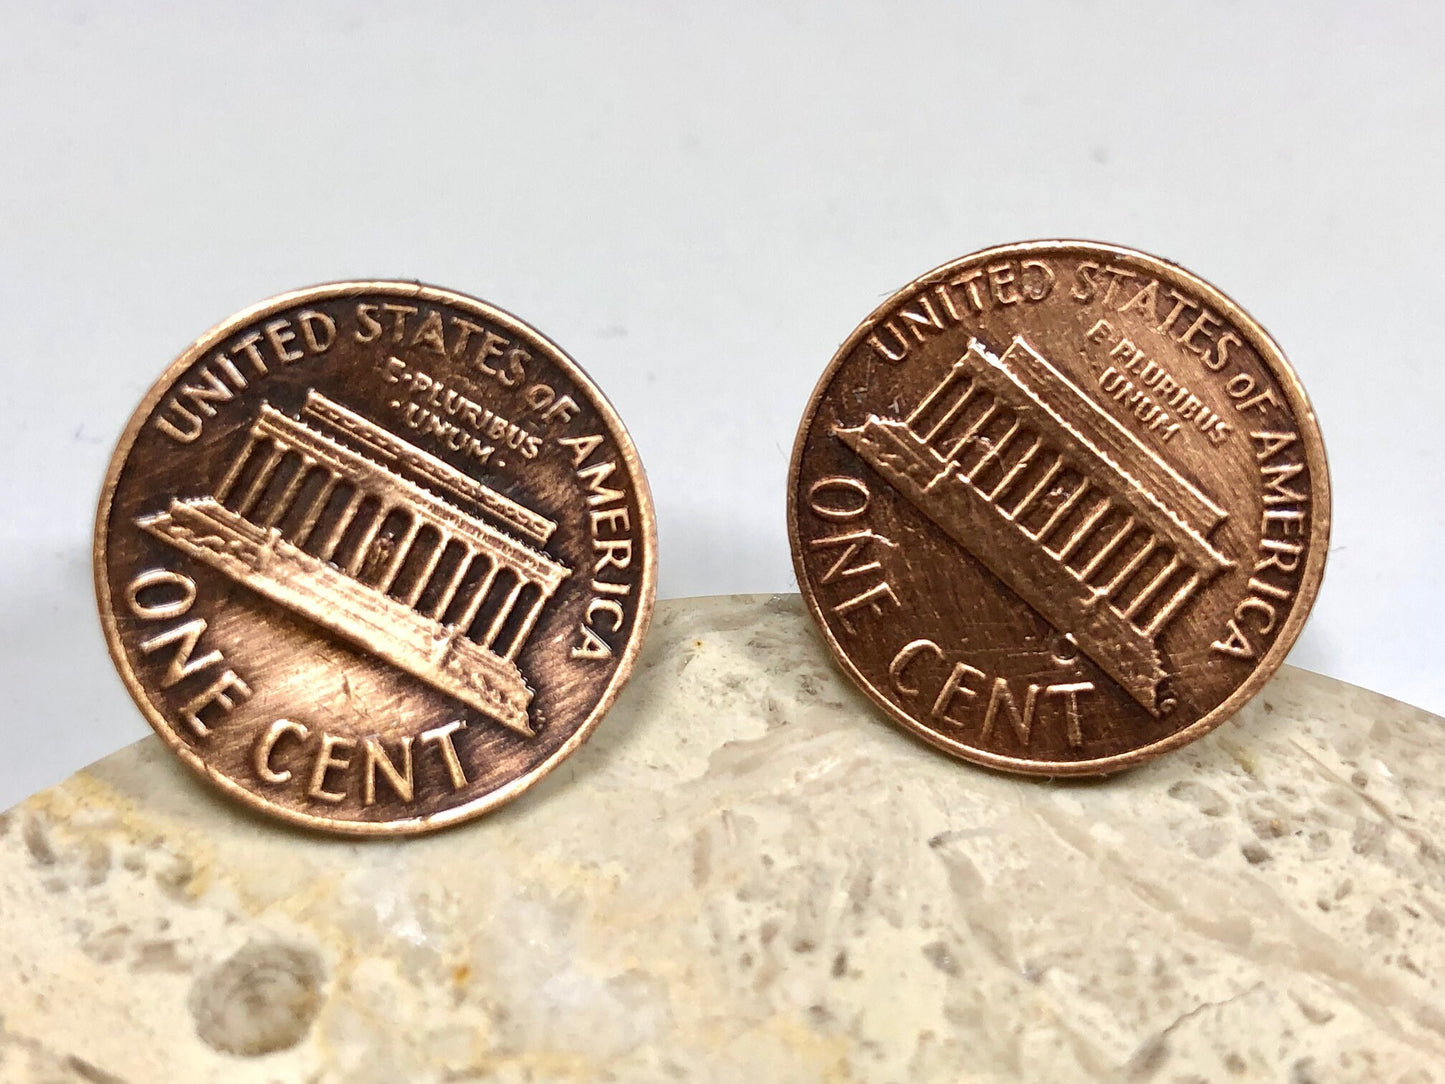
(401,290)
(1306,422)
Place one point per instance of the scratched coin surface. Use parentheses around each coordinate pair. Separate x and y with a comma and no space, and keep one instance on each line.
(374,557)
(1059,507)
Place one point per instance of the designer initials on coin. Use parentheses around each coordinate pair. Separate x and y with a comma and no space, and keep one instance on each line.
(374,557)
(1059,507)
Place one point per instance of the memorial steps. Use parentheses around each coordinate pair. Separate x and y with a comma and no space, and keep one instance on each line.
(377,558)
(1091,528)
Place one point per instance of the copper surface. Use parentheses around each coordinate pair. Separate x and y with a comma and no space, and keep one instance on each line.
(1059,507)
(374,557)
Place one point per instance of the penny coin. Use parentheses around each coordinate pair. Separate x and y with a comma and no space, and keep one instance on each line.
(1059,507)
(374,557)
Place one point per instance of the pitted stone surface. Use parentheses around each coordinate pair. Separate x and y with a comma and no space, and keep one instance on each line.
(748,874)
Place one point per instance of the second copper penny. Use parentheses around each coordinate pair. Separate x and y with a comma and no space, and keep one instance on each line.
(1059,507)
(374,557)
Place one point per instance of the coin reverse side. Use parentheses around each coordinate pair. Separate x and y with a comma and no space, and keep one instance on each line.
(1059,507)
(374,557)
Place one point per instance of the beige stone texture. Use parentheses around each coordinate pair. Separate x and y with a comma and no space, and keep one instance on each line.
(749,876)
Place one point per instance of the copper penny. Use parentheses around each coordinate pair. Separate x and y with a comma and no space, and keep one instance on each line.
(1059,507)
(374,557)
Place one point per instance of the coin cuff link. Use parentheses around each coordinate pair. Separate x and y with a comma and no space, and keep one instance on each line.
(374,557)
(1058,507)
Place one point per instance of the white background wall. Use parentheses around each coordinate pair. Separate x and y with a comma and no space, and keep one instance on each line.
(699,201)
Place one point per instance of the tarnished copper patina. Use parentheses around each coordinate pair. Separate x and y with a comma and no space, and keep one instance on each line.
(374,557)
(1059,507)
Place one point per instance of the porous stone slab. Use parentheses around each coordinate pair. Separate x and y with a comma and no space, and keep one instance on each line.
(748,875)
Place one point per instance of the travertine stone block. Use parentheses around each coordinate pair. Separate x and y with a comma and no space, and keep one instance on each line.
(749,875)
